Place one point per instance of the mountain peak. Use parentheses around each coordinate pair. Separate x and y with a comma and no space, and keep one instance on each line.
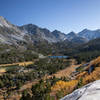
(4,22)
(56,31)
(85,30)
(72,33)
(1,17)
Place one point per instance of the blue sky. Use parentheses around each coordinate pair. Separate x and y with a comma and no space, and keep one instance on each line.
(63,15)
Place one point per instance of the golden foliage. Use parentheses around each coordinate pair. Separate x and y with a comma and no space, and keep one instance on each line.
(25,63)
(95,75)
(87,78)
(2,70)
(66,87)
(96,62)
(82,74)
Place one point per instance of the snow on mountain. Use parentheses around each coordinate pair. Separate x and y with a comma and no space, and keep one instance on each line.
(90,91)
(60,35)
(73,37)
(89,34)
(84,35)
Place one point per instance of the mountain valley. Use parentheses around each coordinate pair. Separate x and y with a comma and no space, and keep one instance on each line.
(28,70)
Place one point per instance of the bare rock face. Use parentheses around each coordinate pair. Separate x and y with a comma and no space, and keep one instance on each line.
(90,34)
(3,22)
(88,92)
(12,34)
(38,33)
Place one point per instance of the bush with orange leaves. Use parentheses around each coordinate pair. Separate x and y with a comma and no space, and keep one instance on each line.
(96,62)
(82,74)
(95,75)
(87,78)
(66,87)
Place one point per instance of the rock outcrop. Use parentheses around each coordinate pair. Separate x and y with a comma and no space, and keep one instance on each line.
(90,91)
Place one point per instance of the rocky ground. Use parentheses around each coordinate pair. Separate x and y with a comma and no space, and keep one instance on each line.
(90,91)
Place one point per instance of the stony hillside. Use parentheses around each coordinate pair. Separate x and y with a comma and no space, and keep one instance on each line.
(40,34)
(12,34)
(90,34)
(90,91)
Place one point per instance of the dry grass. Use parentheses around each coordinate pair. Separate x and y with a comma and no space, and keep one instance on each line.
(19,63)
(2,70)
(67,72)
(25,63)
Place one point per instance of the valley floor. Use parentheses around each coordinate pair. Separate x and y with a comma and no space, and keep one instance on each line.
(77,75)
(62,73)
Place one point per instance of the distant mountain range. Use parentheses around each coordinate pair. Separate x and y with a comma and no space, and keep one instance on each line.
(12,34)
(30,33)
(82,46)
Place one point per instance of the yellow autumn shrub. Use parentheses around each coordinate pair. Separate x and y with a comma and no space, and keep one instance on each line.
(96,62)
(95,75)
(82,74)
(66,87)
